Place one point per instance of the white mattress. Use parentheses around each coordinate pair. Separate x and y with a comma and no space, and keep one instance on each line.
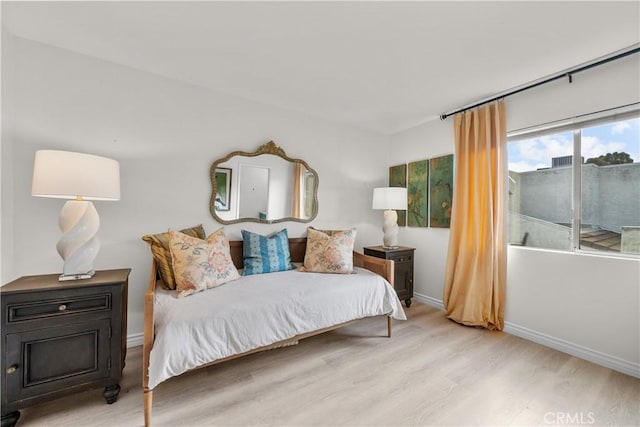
(259,310)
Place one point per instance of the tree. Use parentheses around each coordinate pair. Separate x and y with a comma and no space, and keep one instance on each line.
(614,158)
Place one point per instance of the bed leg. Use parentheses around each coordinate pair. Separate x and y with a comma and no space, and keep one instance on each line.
(148,399)
(389,326)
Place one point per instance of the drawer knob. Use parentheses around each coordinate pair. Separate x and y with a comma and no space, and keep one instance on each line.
(62,307)
(12,369)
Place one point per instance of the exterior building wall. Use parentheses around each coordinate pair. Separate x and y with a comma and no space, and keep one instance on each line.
(610,195)
(630,240)
(539,234)
(591,205)
(619,202)
(546,194)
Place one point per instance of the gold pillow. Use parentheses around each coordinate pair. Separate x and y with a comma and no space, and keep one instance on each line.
(201,264)
(329,251)
(159,245)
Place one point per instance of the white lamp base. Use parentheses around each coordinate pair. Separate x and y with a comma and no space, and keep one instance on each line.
(79,245)
(390,228)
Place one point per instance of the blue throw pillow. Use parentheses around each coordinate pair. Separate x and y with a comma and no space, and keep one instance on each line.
(265,254)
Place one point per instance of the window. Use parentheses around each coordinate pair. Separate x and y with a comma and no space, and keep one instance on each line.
(592,204)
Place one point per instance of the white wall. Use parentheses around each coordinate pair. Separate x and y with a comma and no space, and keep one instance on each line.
(166,134)
(430,140)
(587,305)
(6,168)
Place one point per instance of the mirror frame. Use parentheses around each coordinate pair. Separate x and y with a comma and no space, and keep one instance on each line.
(268,148)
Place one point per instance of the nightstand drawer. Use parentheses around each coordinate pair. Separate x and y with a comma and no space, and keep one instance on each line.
(402,258)
(58,307)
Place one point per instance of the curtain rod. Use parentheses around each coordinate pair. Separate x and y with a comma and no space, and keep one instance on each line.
(568,74)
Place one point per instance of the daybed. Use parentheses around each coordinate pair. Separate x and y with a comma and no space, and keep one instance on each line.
(256,313)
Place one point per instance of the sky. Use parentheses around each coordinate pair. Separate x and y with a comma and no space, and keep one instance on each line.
(535,153)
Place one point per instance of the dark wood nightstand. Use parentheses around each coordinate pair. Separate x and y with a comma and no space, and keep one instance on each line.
(60,338)
(403,268)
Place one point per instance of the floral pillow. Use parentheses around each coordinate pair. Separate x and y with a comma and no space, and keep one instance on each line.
(201,264)
(159,245)
(265,254)
(329,252)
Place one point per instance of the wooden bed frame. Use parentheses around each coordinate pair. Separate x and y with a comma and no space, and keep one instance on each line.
(297,248)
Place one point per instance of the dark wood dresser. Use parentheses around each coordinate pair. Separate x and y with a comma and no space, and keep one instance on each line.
(403,268)
(60,338)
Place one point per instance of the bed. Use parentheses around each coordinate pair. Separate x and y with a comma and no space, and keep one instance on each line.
(257,313)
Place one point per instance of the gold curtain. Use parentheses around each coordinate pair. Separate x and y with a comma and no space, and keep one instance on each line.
(475,278)
(296,193)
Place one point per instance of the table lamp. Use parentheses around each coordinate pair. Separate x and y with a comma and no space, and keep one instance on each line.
(390,199)
(81,178)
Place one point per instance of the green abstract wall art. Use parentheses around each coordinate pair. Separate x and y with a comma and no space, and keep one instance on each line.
(417,193)
(441,191)
(398,178)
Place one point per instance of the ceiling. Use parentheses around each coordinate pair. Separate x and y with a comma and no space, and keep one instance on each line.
(381,66)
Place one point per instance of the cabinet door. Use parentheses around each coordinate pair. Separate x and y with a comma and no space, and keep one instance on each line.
(48,360)
(403,277)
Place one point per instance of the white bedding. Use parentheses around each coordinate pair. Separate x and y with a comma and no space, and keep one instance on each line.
(259,310)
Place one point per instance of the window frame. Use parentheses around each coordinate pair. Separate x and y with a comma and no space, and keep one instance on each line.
(576,125)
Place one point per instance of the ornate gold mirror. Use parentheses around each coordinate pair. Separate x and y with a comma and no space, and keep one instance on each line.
(263,186)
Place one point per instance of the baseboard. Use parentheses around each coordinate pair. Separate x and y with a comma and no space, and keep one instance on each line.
(135,340)
(573,349)
(576,350)
(425,299)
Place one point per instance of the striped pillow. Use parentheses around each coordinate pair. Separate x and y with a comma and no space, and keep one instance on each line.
(265,254)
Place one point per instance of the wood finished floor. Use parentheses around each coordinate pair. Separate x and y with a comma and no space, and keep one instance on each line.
(430,372)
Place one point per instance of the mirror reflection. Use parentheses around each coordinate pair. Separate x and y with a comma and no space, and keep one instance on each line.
(263,186)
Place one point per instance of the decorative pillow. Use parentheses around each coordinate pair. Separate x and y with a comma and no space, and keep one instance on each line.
(159,245)
(329,251)
(201,264)
(265,254)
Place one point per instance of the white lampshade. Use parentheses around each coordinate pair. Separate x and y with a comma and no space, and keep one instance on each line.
(69,175)
(390,198)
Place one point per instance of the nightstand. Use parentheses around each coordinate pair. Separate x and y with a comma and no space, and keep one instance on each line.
(403,268)
(61,338)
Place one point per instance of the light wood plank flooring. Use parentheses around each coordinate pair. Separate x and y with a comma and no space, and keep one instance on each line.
(430,372)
